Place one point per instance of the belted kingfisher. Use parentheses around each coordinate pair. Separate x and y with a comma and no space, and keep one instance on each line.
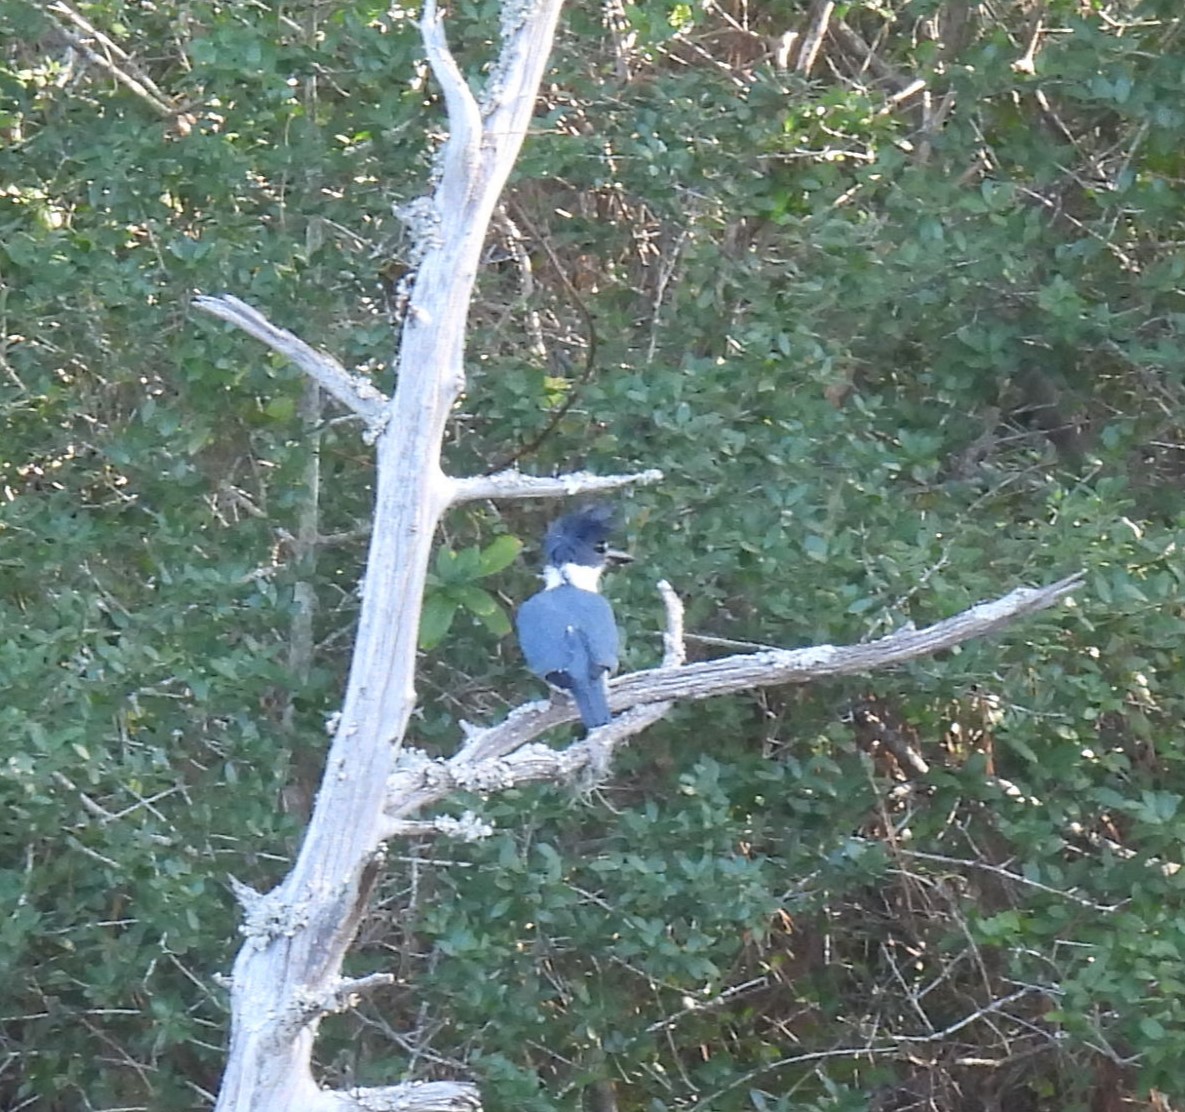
(567,631)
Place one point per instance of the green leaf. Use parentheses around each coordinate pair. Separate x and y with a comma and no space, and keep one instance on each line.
(446,565)
(497,621)
(280,408)
(436,619)
(468,565)
(816,547)
(500,553)
(476,600)
(1152,1028)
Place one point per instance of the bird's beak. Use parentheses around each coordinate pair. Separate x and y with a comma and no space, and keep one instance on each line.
(615,557)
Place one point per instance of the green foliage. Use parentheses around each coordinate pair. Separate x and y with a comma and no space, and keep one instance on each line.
(896,353)
(452,587)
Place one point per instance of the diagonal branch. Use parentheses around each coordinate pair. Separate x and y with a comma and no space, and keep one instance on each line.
(352,391)
(503,756)
(777,666)
(814,37)
(129,75)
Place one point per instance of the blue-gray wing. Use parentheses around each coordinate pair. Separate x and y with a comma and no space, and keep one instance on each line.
(568,630)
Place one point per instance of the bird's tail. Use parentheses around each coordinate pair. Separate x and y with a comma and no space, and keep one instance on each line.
(592,700)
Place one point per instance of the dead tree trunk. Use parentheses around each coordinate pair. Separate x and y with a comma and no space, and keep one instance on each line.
(287,975)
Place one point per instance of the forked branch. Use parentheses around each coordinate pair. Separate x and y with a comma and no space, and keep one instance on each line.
(504,756)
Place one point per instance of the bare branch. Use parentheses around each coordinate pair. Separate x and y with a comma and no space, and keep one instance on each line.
(352,391)
(508,102)
(461,149)
(917,85)
(874,731)
(1027,62)
(62,8)
(349,989)
(467,828)
(698,1007)
(1007,874)
(813,39)
(674,642)
(889,1046)
(765,669)
(312,1007)
(514,484)
(863,53)
(498,758)
(412,1096)
(127,75)
(991,1008)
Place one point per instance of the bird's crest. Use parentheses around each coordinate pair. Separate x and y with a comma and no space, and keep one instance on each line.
(579,537)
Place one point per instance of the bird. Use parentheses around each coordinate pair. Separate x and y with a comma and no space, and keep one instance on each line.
(567,631)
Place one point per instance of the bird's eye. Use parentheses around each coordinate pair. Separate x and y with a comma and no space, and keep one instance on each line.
(601,547)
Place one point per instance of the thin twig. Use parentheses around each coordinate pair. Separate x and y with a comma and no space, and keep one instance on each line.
(1008,874)
(137,82)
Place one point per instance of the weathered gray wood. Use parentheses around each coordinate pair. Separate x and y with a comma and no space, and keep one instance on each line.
(503,756)
(287,975)
(288,971)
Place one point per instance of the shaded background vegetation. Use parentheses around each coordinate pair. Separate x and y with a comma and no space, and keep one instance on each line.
(890,290)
